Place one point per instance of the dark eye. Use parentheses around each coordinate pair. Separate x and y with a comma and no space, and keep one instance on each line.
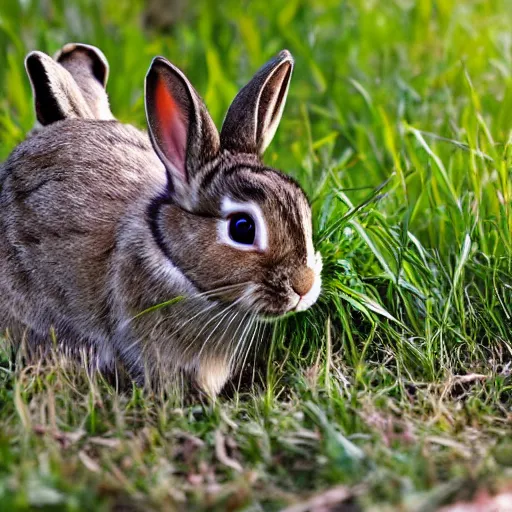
(242,228)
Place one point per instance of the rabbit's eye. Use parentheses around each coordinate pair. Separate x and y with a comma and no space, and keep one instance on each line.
(242,228)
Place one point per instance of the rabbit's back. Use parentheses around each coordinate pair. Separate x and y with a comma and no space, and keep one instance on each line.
(63,194)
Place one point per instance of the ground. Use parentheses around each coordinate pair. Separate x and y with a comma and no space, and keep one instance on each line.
(394,392)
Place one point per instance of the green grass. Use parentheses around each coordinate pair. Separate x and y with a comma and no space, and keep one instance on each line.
(397,386)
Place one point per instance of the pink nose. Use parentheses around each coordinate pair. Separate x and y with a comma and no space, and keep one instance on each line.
(302,281)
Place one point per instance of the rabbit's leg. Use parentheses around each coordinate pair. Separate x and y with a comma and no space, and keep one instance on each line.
(212,374)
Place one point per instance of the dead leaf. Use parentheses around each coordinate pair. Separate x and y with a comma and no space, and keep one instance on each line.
(105,441)
(64,438)
(220,451)
(450,443)
(471,377)
(324,501)
(90,464)
(483,502)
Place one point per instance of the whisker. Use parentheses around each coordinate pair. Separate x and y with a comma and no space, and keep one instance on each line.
(234,316)
(232,305)
(259,338)
(236,341)
(206,294)
(213,331)
(227,286)
(214,304)
(248,349)
(202,311)
(242,339)
(215,291)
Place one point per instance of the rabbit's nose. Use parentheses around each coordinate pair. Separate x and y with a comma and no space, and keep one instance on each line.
(303,280)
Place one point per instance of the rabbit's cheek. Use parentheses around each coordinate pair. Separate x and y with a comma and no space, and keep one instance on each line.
(192,244)
(219,266)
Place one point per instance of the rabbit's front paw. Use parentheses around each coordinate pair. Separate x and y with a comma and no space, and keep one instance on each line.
(212,374)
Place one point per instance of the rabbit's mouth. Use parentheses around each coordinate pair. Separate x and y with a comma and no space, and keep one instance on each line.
(270,302)
(300,294)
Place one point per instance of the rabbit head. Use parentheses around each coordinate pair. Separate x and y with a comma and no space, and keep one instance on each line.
(228,221)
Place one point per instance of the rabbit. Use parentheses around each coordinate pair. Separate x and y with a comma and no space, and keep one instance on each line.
(163,254)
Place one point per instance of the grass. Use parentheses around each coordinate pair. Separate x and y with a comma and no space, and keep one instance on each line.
(395,392)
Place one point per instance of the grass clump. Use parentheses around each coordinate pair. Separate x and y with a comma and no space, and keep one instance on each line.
(395,390)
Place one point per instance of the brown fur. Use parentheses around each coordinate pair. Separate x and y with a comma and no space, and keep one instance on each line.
(95,230)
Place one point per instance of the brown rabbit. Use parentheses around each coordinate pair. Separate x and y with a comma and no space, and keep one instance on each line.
(167,262)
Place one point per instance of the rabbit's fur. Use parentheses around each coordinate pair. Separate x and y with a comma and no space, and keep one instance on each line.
(96,229)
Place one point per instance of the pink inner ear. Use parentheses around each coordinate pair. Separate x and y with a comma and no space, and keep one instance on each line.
(173,128)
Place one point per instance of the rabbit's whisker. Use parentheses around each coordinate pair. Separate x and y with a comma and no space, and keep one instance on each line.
(241,341)
(227,287)
(248,349)
(202,311)
(228,312)
(234,341)
(232,305)
(207,294)
(227,344)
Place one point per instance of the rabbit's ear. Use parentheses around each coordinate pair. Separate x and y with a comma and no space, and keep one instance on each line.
(254,115)
(89,67)
(180,127)
(56,94)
